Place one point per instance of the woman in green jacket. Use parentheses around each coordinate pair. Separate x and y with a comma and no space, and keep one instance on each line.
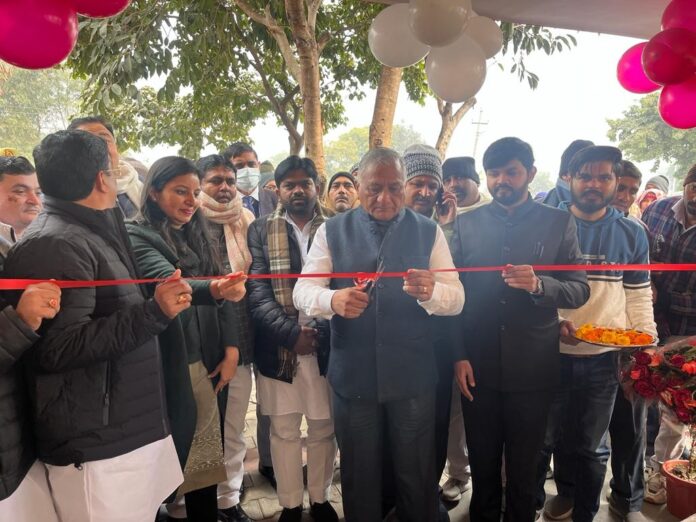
(199,344)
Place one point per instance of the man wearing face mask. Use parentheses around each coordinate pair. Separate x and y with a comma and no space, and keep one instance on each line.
(244,159)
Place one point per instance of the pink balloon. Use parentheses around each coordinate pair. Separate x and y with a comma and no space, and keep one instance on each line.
(100,8)
(631,74)
(37,34)
(678,104)
(680,13)
(670,56)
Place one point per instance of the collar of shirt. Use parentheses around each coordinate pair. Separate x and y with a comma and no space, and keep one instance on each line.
(518,213)
(255,193)
(301,234)
(680,214)
(7,233)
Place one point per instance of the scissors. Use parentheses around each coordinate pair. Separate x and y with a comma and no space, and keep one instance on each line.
(367,284)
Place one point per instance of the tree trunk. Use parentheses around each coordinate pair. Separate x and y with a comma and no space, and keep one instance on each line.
(296,144)
(385,107)
(450,121)
(310,85)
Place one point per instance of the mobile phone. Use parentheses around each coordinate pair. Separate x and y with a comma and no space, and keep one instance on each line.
(442,209)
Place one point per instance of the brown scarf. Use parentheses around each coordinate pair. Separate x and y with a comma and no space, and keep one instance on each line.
(235,220)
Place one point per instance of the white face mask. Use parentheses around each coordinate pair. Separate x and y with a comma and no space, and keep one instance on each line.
(248,178)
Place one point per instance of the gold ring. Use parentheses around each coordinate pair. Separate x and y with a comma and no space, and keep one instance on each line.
(53,303)
(425,290)
(180,298)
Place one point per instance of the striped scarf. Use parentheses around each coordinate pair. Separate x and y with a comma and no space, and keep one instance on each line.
(279,258)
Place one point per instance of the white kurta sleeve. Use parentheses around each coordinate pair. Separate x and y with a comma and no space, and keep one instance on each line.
(448,294)
(312,295)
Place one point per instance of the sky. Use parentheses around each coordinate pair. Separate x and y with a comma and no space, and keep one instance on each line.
(578,91)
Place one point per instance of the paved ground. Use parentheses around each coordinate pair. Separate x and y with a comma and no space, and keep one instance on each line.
(261,504)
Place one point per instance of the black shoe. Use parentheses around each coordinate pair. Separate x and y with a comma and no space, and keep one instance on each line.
(268,473)
(234,514)
(291,515)
(323,512)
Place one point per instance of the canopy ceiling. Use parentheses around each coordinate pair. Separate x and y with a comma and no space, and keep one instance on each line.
(636,18)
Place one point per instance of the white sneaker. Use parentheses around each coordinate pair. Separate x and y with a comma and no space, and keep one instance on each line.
(453,489)
(655,488)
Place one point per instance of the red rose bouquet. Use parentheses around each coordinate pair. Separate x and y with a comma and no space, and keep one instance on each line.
(669,375)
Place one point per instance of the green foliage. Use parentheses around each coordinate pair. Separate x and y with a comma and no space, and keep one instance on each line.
(643,136)
(542,182)
(35,103)
(521,40)
(347,149)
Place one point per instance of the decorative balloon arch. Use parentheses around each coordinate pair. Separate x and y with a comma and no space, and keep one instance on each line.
(454,41)
(667,61)
(36,34)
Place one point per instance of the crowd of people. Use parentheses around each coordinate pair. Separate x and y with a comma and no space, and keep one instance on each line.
(118,398)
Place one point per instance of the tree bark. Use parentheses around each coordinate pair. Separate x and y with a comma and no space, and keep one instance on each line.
(385,107)
(302,26)
(450,120)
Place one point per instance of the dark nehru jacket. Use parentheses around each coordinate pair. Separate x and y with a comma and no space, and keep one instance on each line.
(511,337)
(387,353)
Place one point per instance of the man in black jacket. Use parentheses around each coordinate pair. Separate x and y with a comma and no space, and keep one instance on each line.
(94,376)
(290,352)
(508,363)
(24,492)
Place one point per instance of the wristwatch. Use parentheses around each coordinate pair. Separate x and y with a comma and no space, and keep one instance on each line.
(540,287)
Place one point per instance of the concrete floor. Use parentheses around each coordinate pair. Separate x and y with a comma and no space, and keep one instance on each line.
(261,504)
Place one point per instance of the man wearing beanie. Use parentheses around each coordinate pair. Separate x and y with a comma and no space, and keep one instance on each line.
(672,237)
(423,186)
(343,192)
(658,182)
(460,177)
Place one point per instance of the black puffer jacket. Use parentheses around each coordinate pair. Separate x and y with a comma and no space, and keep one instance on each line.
(272,326)
(17,452)
(95,376)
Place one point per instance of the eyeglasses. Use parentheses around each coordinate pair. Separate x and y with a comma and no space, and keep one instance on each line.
(109,172)
(690,187)
(604,179)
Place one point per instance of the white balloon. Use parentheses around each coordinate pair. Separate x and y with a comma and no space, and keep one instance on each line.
(438,22)
(456,72)
(391,39)
(486,33)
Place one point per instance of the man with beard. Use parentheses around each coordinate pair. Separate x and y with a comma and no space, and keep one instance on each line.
(460,177)
(382,367)
(507,363)
(343,191)
(291,350)
(229,223)
(20,200)
(583,406)
(671,226)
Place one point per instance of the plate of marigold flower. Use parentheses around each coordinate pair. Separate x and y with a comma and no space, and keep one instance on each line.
(614,337)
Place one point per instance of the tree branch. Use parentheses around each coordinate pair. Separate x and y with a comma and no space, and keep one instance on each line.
(463,109)
(277,32)
(312,10)
(440,105)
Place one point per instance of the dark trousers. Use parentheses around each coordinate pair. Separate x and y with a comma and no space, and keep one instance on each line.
(509,425)
(443,403)
(577,431)
(362,427)
(627,431)
(201,504)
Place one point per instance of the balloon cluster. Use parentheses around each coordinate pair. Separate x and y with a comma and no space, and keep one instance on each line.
(456,41)
(36,34)
(667,61)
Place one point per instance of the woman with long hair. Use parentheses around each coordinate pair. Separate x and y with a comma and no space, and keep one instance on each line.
(200,344)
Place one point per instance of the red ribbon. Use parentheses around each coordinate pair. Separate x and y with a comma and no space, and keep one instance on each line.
(21,284)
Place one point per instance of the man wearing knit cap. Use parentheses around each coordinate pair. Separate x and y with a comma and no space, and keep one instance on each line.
(343,192)
(658,182)
(672,233)
(460,177)
(267,181)
(423,186)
